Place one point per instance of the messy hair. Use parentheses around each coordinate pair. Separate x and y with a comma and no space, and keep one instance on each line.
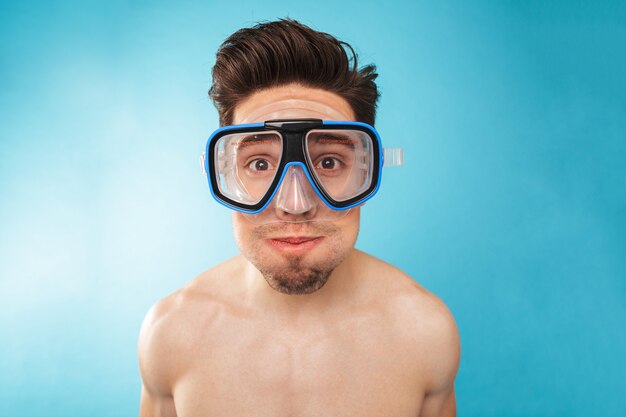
(285,51)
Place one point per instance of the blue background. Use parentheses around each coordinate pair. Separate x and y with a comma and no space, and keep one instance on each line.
(511,206)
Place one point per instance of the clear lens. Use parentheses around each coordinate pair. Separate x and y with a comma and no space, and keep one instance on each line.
(246,164)
(342,161)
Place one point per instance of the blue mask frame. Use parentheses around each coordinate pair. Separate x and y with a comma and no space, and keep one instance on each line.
(293,133)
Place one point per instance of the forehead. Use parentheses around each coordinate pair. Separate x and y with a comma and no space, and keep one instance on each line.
(292,101)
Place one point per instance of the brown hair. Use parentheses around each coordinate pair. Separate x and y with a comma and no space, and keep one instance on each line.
(286,51)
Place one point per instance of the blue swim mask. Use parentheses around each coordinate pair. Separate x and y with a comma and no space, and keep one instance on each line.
(296,170)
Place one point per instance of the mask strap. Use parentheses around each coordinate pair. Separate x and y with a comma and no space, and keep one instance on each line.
(393,157)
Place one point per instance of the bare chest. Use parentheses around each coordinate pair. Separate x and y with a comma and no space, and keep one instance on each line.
(349,370)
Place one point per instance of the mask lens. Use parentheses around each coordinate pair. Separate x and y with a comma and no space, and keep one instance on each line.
(342,161)
(247,164)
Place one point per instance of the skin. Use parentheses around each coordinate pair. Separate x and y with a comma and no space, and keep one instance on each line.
(366,340)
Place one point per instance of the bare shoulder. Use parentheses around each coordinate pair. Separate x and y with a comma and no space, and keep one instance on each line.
(169,330)
(421,320)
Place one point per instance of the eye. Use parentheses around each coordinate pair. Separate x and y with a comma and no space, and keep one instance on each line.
(259,165)
(329,163)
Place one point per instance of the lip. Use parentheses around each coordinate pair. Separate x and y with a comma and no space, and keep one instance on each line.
(294,244)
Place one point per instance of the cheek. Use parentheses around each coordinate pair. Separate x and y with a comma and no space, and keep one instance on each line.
(247,237)
(241,231)
(350,226)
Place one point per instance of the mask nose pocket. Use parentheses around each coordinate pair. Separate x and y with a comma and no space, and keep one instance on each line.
(296,195)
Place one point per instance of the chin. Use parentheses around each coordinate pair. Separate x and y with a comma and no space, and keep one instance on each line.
(302,283)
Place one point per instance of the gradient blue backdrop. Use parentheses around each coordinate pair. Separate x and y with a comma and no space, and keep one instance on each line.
(511,206)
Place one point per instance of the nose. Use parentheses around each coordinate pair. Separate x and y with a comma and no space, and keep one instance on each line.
(296,195)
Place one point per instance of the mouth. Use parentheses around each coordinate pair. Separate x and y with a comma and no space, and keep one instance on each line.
(295,244)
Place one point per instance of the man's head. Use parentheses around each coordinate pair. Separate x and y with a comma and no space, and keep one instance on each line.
(285,70)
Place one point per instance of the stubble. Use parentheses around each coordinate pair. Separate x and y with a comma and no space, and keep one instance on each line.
(296,274)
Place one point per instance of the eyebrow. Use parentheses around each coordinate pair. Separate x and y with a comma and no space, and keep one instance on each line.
(254,140)
(336,140)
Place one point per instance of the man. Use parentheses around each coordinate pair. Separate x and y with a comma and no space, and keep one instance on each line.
(301,323)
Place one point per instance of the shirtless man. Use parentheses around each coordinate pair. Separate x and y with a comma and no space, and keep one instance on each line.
(301,323)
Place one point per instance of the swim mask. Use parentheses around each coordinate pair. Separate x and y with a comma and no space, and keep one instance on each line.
(295,170)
